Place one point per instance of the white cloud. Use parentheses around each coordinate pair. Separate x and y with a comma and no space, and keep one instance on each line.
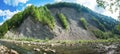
(1,23)
(65,0)
(14,2)
(93,6)
(88,3)
(58,0)
(6,14)
(28,4)
(108,13)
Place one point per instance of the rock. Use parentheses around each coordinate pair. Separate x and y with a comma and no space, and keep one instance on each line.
(49,50)
(29,44)
(13,52)
(44,53)
(36,49)
(52,45)
(5,50)
(53,51)
(21,43)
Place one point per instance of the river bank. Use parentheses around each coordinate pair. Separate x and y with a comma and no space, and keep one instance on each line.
(61,47)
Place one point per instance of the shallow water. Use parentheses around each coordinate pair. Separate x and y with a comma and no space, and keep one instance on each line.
(76,48)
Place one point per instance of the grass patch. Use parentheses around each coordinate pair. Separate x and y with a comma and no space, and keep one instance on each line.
(63,20)
(110,40)
(84,22)
(86,41)
(26,39)
(104,35)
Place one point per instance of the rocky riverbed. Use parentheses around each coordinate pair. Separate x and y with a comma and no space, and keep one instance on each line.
(27,47)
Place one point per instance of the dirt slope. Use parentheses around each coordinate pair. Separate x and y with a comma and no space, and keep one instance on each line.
(31,28)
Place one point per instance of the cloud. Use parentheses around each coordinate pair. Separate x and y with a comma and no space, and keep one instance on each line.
(93,6)
(1,23)
(7,14)
(114,15)
(28,4)
(88,3)
(57,0)
(14,2)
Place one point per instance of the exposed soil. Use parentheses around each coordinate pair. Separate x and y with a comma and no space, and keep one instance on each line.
(31,28)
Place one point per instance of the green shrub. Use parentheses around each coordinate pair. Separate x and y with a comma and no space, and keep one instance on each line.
(100,25)
(116,29)
(63,20)
(103,35)
(3,29)
(98,34)
(84,22)
(46,39)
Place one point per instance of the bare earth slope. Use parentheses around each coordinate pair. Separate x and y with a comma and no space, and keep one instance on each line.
(30,28)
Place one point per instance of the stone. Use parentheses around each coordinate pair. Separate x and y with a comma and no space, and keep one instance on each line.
(36,49)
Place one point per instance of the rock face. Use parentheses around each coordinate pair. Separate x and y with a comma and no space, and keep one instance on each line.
(31,28)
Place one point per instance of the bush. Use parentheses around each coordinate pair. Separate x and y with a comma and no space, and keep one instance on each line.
(116,29)
(100,25)
(3,29)
(84,22)
(103,35)
(63,20)
(98,34)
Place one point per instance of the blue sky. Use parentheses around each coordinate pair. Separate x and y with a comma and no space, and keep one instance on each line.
(9,7)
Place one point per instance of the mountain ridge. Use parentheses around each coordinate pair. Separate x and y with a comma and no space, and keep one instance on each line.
(44,22)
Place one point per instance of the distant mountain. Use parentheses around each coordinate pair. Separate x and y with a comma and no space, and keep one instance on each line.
(60,21)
